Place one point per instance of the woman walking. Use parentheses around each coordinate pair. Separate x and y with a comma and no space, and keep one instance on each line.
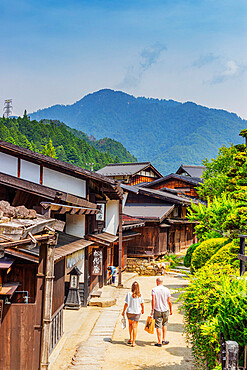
(135,307)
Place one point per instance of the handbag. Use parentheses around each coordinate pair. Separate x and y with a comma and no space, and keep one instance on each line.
(150,324)
(123,321)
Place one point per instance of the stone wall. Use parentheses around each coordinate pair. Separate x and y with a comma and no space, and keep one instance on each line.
(143,267)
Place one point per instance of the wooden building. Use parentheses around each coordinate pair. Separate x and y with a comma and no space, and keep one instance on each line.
(131,173)
(30,302)
(166,228)
(183,185)
(85,205)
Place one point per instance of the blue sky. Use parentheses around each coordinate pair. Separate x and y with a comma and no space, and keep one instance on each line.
(58,51)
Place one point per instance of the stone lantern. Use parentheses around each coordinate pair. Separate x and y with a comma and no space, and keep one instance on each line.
(73,300)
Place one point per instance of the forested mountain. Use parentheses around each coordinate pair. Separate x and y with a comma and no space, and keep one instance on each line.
(70,145)
(165,132)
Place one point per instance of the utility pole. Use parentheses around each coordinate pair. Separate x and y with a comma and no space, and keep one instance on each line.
(7,110)
(91,166)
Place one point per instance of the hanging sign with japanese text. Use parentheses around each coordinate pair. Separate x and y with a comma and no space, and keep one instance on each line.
(97,267)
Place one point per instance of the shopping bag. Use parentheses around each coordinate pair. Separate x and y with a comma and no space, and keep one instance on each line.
(123,321)
(149,327)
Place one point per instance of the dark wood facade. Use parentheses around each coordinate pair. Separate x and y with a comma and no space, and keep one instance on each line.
(182,187)
(155,240)
(22,319)
(166,230)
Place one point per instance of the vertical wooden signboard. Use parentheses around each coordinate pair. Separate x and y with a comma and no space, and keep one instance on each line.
(97,265)
(1,311)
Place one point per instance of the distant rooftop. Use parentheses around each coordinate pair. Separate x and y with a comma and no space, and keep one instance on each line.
(188,179)
(125,169)
(191,171)
(148,211)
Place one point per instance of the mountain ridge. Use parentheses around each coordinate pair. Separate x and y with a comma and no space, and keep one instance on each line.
(165,132)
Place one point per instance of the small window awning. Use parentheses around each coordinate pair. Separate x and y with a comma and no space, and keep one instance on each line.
(5,263)
(8,289)
(68,244)
(73,210)
(129,235)
(102,238)
(181,221)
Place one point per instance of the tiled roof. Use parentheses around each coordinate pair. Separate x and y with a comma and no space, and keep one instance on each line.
(147,211)
(192,171)
(188,179)
(125,169)
(167,196)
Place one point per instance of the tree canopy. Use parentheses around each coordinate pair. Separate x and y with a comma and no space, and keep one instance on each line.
(55,139)
(225,194)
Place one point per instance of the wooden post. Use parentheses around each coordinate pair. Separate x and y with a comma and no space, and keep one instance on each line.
(47,304)
(120,244)
(242,252)
(223,351)
(85,277)
(232,350)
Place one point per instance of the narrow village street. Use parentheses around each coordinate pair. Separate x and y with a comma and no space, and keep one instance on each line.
(94,338)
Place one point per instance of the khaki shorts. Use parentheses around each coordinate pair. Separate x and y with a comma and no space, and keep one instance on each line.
(161,319)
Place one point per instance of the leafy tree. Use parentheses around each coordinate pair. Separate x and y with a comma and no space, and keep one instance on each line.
(49,150)
(70,145)
(215,177)
(225,192)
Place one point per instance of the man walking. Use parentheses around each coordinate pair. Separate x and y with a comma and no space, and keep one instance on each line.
(161,303)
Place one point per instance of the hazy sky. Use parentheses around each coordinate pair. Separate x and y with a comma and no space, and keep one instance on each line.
(58,51)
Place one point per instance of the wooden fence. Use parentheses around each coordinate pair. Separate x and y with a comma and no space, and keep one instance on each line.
(56,328)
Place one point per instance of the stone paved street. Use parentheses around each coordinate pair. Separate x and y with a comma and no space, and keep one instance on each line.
(104,346)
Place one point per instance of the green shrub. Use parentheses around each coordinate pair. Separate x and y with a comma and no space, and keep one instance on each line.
(232,313)
(188,256)
(205,251)
(224,255)
(173,259)
(202,301)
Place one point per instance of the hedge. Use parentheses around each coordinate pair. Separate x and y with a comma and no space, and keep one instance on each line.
(223,256)
(188,256)
(205,251)
(215,301)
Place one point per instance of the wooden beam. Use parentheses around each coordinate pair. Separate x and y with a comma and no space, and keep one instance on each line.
(73,211)
(23,255)
(80,201)
(21,243)
(96,240)
(241,257)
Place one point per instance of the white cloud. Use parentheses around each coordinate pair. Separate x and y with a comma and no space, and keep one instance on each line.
(231,69)
(147,58)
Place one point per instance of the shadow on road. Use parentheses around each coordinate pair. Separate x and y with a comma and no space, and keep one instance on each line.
(185,364)
(139,343)
(176,327)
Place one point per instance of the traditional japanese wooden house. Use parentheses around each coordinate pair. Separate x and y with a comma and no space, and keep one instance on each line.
(30,315)
(84,204)
(183,185)
(166,229)
(131,173)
